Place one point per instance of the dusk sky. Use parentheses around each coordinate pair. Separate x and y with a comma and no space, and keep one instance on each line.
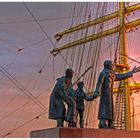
(18,30)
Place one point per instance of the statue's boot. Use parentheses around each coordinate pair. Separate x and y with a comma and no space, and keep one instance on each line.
(111,124)
(60,122)
(81,123)
(102,124)
(71,124)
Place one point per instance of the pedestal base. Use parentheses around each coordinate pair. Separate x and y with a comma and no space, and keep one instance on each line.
(84,133)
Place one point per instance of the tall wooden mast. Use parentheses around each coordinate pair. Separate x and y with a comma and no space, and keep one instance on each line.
(123,60)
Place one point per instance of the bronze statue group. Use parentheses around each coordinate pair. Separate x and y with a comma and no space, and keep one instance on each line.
(63,92)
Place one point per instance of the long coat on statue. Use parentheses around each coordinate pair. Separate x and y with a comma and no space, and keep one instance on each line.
(58,97)
(105,86)
(71,111)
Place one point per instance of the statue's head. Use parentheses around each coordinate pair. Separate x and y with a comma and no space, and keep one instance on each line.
(108,64)
(69,73)
(80,84)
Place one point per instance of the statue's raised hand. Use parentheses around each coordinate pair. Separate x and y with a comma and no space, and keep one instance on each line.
(136,69)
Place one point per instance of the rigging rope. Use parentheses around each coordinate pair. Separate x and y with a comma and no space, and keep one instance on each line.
(73,49)
(12,99)
(32,45)
(7,42)
(29,128)
(89,79)
(44,20)
(82,55)
(13,130)
(22,88)
(42,29)
(9,66)
(25,104)
(20,114)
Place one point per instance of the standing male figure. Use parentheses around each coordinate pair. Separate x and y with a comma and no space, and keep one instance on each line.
(59,96)
(105,85)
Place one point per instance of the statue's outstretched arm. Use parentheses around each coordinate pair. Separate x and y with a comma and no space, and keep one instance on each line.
(123,76)
(127,75)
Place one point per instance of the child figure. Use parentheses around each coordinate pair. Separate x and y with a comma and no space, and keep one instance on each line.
(80,97)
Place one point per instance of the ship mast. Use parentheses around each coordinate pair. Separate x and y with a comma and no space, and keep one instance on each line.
(123,61)
(122,66)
